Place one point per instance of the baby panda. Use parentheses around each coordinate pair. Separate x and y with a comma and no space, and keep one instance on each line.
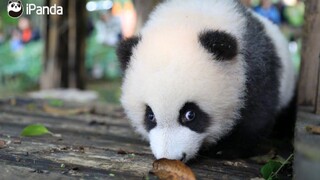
(205,73)
(15,9)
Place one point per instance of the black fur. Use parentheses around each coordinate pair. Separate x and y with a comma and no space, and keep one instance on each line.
(201,121)
(124,51)
(258,115)
(147,123)
(285,122)
(221,44)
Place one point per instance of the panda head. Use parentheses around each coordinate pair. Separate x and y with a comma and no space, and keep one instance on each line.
(183,79)
(15,8)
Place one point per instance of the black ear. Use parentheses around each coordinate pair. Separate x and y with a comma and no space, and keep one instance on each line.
(124,50)
(9,2)
(221,44)
(19,2)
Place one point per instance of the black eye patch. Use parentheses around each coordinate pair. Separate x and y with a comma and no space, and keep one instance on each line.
(219,43)
(199,123)
(149,119)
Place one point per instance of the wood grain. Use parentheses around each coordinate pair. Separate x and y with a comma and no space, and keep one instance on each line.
(105,149)
(309,81)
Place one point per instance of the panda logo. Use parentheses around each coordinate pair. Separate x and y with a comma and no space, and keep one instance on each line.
(15,9)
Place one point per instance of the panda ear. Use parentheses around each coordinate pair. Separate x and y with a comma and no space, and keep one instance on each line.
(9,2)
(124,51)
(19,2)
(221,44)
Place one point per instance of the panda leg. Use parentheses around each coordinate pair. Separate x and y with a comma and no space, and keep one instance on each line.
(285,122)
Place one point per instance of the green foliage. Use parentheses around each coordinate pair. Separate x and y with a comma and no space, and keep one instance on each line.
(56,102)
(269,169)
(103,56)
(7,20)
(295,14)
(20,70)
(35,130)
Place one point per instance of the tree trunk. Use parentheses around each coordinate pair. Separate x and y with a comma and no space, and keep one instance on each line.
(143,9)
(309,79)
(64,54)
(52,67)
(77,35)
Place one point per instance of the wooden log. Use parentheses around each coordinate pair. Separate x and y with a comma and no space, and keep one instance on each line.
(307,147)
(308,83)
(318,93)
(86,151)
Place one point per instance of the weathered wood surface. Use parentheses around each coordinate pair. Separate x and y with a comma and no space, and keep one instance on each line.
(307,147)
(99,145)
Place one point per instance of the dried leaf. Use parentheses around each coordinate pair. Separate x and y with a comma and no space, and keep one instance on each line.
(313,129)
(64,112)
(166,169)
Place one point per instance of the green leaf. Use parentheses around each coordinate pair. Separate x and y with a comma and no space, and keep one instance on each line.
(35,130)
(269,169)
(56,103)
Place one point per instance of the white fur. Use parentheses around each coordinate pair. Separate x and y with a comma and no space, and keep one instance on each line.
(172,142)
(169,67)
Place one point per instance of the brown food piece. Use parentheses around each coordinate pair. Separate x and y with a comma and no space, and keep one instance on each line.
(313,129)
(166,169)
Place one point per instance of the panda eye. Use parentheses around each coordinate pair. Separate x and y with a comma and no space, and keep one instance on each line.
(150,120)
(151,117)
(18,5)
(12,5)
(190,116)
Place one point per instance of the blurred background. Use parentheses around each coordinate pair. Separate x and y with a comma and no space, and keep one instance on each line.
(73,56)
